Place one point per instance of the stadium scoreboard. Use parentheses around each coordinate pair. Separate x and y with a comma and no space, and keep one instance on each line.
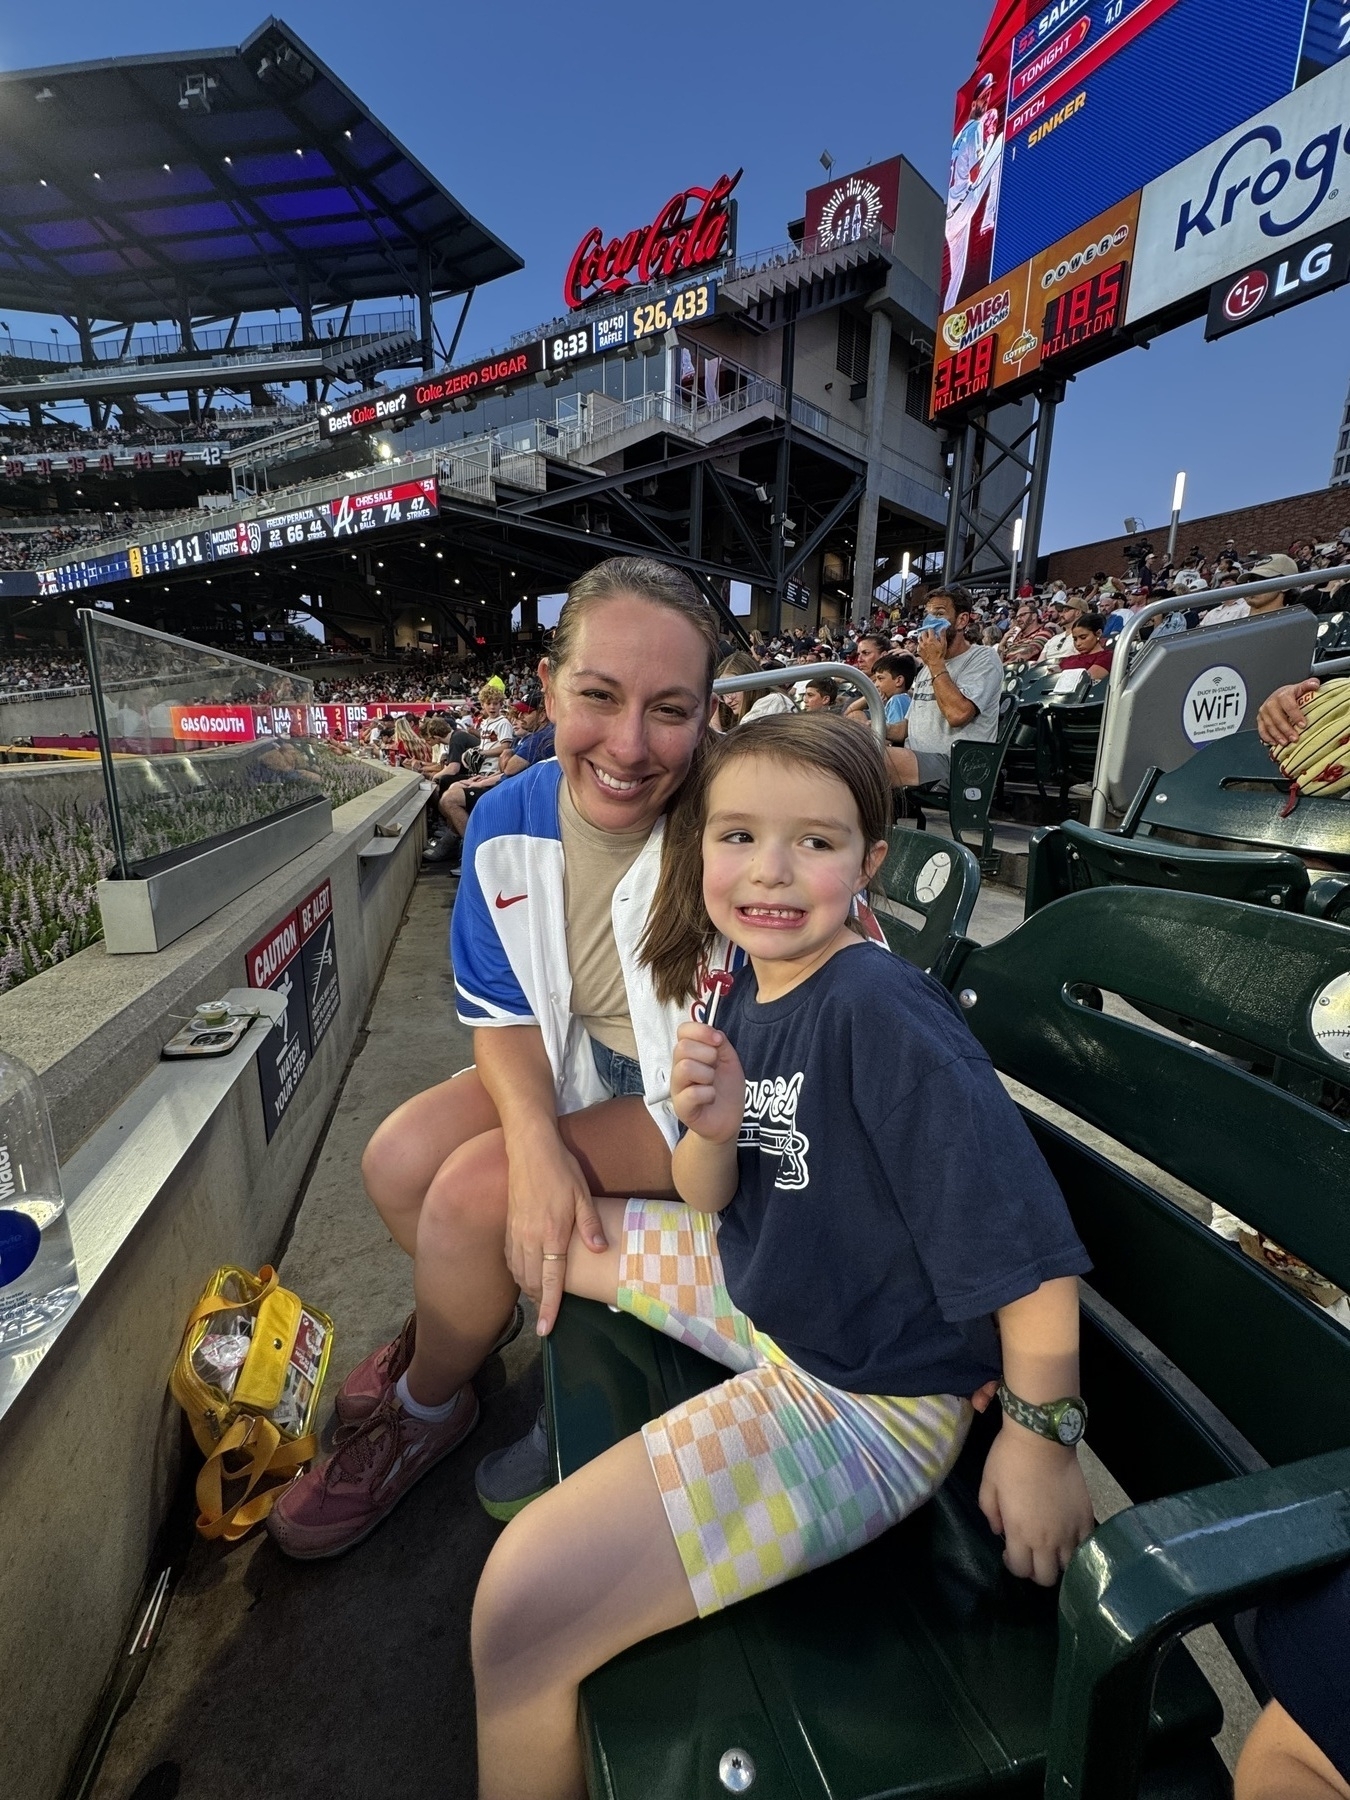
(1113,161)
(579,341)
(327,521)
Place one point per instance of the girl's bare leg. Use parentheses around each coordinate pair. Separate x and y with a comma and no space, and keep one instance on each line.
(588,1569)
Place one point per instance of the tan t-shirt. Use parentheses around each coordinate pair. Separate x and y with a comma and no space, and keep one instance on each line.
(594,863)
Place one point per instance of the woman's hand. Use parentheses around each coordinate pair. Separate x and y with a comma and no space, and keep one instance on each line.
(707,1083)
(1281,719)
(547,1197)
(1034,1496)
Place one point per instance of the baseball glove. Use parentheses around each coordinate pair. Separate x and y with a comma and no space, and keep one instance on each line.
(1318,761)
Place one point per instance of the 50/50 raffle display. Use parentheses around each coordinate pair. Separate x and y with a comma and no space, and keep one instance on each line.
(1113,161)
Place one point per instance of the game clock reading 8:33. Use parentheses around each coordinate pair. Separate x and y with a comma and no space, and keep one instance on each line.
(966,375)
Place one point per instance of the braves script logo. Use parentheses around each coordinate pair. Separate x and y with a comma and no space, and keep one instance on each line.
(769,1124)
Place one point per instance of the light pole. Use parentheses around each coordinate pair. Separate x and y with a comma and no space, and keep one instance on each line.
(1178,501)
(1019,527)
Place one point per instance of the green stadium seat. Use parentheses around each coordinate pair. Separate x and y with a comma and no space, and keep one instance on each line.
(1221,1402)
(968,797)
(1232,793)
(937,881)
(1068,857)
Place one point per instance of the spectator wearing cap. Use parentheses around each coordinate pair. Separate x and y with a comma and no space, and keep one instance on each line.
(1269,569)
(1067,608)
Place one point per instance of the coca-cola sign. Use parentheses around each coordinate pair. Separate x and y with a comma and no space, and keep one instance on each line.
(691,231)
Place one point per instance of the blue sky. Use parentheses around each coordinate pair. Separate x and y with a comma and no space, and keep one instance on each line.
(545,120)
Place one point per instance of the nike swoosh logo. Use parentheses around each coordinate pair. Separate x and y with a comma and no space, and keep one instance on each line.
(514,899)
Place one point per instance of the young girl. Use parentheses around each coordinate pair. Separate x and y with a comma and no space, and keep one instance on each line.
(859,1202)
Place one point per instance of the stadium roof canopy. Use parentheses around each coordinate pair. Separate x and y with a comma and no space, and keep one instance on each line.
(214,182)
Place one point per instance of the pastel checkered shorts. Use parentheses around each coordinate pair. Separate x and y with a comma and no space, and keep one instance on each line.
(772,1472)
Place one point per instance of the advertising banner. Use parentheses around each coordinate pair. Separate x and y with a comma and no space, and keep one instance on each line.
(854,207)
(1313,267)
(1075,104)
(1259,190)
(212,724)
(1067,300)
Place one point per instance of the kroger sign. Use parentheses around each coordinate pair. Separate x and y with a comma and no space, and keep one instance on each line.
(1273,181)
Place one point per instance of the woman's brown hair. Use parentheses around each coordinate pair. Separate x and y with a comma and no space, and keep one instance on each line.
(646,579)
(680,936)
(740,662)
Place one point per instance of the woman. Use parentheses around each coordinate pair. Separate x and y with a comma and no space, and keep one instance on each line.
(1090,648)
(750,703)
(569,1096)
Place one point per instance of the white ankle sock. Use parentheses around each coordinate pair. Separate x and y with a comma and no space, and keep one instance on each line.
(429,1415)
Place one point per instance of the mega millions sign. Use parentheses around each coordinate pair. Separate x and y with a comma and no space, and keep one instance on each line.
(1162,146)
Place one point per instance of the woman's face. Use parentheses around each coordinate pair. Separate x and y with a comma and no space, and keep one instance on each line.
(1085,640)
(629,706)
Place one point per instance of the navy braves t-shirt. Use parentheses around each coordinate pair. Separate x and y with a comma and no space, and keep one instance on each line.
(1303,1646)
(891,1198)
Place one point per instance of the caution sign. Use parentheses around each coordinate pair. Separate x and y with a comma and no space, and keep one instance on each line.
(318,956)
(274,962)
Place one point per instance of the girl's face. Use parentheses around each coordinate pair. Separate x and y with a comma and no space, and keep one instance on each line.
(630,705)
(783,858)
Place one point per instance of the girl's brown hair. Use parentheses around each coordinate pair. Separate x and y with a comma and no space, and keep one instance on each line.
(680,936)
(646,579)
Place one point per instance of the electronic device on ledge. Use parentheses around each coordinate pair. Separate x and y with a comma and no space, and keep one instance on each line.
(213,1030)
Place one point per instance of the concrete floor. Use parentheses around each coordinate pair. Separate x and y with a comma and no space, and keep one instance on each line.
(278,1680)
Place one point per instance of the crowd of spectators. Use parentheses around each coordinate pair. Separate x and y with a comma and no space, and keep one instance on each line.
(29,671)
(38,549)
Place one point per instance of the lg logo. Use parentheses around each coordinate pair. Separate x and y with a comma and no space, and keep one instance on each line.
(1252,289)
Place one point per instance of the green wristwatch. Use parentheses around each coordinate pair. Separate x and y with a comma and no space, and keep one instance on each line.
(1062,1421)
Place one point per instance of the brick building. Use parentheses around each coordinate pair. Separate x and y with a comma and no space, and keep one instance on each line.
(1253,530)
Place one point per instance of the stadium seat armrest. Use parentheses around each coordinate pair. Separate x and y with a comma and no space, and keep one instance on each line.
(1329,898)
(1158,1570)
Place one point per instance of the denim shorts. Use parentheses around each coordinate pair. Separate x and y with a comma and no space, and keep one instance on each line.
(622,1075)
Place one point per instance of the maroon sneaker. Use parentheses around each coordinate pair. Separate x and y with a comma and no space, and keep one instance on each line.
(334,1507)
(373,1380)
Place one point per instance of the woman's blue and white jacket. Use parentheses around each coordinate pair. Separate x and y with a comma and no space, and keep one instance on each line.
(508,942)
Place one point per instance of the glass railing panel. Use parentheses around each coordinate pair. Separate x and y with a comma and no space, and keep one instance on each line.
(199,746)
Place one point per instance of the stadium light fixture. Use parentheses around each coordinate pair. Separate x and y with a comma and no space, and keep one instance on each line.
(826,161)
(167,169)
(1178,501)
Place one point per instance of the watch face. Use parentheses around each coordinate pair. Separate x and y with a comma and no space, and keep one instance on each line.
(1069,1428)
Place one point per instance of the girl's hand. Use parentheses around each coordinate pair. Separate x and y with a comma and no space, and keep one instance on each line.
(1034,1496)
(707,1083)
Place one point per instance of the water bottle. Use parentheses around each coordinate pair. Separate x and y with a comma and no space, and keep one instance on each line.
(38,1281)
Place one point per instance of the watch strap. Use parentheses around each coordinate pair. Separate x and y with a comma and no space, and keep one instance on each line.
(1045,1420)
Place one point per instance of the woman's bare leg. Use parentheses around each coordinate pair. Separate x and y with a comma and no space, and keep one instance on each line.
(401,1159)
(588,1569)
(463,1288)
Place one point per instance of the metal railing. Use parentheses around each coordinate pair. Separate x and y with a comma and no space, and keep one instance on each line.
(783,256)
(282,334)
(1160,609)
(789,677)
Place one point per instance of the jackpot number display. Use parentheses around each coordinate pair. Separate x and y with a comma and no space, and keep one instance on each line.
(1085,312)
(680,309)
(966,375)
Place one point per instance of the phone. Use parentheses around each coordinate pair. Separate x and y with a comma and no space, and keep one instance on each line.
(213,1040)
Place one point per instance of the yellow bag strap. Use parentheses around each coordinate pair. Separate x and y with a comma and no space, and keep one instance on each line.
(264,1453)
(206,1306)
